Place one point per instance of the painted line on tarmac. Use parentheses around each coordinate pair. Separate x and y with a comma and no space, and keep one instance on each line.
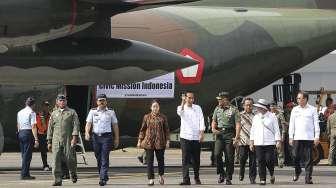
(87,179)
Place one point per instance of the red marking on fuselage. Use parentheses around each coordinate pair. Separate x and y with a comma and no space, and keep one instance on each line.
(73,16)
(200,69)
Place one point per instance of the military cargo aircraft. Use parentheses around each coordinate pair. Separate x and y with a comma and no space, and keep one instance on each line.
(239,45)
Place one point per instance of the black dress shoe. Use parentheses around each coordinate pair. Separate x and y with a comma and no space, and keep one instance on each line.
(185,183)
(309,182)
(228,182)
(272,180)
(74,178)
(252,181)
(102,182)
(221,179)
(57,183)
(198,181)
(241,178)
(28,178)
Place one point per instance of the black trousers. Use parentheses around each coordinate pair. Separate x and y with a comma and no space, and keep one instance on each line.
(244,154)
(222,145)
(102,145)
(265,157)
(191,152)
(303,151)
(43,148)
(150,161)
(26,146)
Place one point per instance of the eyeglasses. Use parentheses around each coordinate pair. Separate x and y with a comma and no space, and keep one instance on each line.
(101,100)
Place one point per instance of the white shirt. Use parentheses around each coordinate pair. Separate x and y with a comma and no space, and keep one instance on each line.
(265,129)
(192,122)
(303,123)
(102,120)
(26,118)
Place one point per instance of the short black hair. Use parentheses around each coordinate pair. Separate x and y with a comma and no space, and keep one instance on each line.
(247,99)
(30,101)
(304,94)
(155,101)
(189,92)
(328,101)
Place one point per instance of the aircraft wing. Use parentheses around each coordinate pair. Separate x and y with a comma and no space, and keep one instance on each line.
(88,62)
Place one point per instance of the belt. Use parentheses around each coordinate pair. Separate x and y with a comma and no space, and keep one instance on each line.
(225,129)
(103,134)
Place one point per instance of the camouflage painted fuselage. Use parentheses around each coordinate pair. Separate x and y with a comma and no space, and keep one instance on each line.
(246,44)
(244,47)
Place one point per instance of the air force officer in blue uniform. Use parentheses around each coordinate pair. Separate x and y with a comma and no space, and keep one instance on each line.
(105,133)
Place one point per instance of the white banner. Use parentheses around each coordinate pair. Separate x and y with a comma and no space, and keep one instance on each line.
(159,87)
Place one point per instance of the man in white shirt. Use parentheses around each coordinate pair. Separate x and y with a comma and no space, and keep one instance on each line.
(105,134)
(27,131)
(191,135)
(304,133)
(264,135)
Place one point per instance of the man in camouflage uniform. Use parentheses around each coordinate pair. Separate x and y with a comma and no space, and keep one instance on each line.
(283,127)
(226,126)
(331,131)
(62,137)
(287,148)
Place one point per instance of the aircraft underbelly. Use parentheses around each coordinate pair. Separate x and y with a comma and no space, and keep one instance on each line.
(42,37)
(77,76)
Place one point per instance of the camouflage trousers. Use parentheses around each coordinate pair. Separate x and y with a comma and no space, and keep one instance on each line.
(332,150)
(281,155)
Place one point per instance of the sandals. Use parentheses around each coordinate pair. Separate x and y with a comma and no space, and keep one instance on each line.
(161,180)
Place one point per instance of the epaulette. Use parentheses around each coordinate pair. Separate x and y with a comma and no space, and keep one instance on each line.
(93,109)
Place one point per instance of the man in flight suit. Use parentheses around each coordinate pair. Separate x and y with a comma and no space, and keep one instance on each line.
(62,137)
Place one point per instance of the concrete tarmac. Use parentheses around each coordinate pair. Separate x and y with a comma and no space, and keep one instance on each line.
(126,171)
